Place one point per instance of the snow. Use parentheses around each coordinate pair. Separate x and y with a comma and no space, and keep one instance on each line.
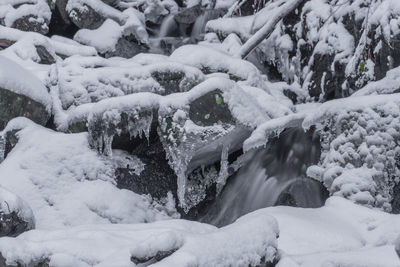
(211,60)
(338,234)
(245,242)
(10,203)
(103,38)
(30,86)
(68,184)
(38,9)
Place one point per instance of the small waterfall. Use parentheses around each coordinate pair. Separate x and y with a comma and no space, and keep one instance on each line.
(274,176)
(168,28)
(200,24)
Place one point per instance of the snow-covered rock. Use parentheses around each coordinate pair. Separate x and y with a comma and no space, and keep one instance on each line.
(16,216)
(26,15)
(250,241)
(26,97)
(66,183)
(360,148)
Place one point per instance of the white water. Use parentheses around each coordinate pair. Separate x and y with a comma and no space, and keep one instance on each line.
(252,188)
(168,27)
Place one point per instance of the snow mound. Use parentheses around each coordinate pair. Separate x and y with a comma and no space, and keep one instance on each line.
(359,138)
(249,241)
(66,183)
(339,234)
(30,86)
(211,60)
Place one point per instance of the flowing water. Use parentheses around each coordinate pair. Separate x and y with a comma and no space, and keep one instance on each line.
(275,175)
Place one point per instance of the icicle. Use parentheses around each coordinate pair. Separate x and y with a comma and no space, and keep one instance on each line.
(2,148)
(223,173)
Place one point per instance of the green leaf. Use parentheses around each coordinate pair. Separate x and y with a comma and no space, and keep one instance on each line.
(362,65)
(218,99)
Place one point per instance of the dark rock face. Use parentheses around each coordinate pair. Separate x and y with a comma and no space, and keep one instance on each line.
(160,255)
(396,199)
(15,105)
(30,23)
(188,15)
(210,109)
(157,178)
(12,225)
(87,19)
(127,47)
(326,84)
(11,140)
(174,81)
(45,56)
(40,263)
(60,23)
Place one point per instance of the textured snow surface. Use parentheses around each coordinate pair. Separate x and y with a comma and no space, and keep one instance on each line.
(247,241)
(66,183)
(29,85)
(338,234)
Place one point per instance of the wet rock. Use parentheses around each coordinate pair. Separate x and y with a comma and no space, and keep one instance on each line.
(156,178)
(32,24)
(210,109)
(14,105)
(127,47)
(60,23)
(325,83)
(189,15)
(44,55)
(198,143)
(396,200)
(86,18)
(160,255)
(16,216)
(39,263)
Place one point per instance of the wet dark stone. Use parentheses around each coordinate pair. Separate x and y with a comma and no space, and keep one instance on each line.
(396,199)
(326,84)
(14,105)
(210,109)
(388,57)
(60,23)
(12,225)
(157,178)
(44,55)
(88,19)
(170,80)
(127,48)
(150,260)
(11,140)
(189,15)
(24,24)
(40,263)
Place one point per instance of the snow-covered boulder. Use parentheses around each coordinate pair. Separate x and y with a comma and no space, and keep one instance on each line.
(201,128)
(26,15)
(210,60)
(22,94)
(360,148)
(16,216)
(126,40)
(66,183)
(250,241)
(84,80)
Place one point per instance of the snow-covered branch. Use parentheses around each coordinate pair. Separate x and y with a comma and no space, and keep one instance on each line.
(269,27)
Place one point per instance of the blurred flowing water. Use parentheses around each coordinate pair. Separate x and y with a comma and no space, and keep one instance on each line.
(274,175)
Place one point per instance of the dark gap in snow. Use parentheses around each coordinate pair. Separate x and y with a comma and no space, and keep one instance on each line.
(58,26)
